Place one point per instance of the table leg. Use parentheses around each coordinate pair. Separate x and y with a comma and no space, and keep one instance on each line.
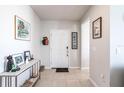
(5,81)
(16,81)
(0,81)
(32,70)
(8,81)
(11,81)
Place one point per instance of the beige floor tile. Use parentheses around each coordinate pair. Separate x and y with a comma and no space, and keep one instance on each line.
(73,78)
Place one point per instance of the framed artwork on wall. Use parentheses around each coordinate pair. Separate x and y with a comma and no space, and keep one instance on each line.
(22,29)
(18,59)
(97,28)
(74,40)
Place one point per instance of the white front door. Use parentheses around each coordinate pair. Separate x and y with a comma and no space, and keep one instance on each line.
(59,49)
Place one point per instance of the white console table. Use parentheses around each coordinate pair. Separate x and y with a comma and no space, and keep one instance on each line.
(33,65)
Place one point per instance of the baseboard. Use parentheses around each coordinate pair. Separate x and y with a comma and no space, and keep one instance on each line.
(74,67)
(83,68)
(69,67)
(93,82)
(47,67)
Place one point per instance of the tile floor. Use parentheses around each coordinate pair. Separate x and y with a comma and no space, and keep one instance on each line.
(73,78)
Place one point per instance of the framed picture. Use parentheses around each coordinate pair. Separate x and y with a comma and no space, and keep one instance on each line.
(27,54)
(97,28)
(74,40)
(18,59)
(22,29)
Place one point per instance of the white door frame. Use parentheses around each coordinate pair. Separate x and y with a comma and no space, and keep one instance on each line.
(82,61)
(69,47)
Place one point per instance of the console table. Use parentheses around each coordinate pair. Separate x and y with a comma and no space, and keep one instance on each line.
(6,78)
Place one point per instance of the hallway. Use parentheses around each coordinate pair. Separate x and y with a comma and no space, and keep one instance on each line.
(73,78)
(83,36)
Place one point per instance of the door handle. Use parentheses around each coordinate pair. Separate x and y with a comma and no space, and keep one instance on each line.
(67,47)
(67,51)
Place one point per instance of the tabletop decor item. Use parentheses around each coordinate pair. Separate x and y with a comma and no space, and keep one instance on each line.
(27,56)
(22,29)
(18,59)
(9,63)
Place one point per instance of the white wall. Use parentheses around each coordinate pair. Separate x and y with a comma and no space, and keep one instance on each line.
(85,40)
(71,26)
(117,45)
(8,45)
(99,48)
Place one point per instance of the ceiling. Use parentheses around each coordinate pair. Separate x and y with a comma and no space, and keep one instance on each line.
(60,12)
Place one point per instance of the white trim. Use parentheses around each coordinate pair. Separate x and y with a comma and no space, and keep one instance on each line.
(47,67)
(74,67)
(69,67)
(83,68)
(93,82)
(50,49)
